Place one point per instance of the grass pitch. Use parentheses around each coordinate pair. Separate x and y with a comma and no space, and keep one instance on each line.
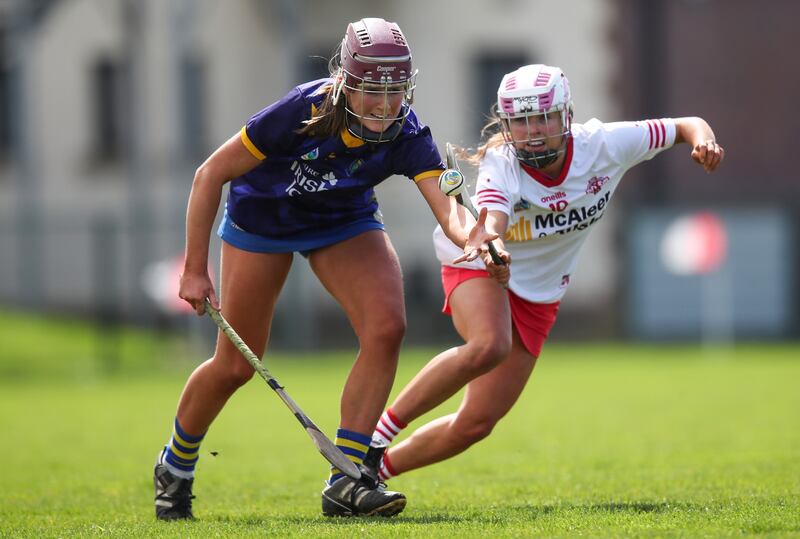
(606,441)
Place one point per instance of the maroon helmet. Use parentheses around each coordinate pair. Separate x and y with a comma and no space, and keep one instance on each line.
(375,50)
(375,59)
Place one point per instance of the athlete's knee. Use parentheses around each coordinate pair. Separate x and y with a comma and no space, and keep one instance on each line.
(473,430)
(234,374)
(486,352)
(384,330)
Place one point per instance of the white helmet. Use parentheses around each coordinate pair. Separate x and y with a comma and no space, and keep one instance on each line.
(535,93)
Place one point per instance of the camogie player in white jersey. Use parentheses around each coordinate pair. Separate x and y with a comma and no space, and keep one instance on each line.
(545,182)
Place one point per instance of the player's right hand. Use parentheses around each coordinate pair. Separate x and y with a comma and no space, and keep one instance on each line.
(499,272)
(195,288)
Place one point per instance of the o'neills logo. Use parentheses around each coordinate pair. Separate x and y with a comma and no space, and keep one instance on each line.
(552,198)
(386,68)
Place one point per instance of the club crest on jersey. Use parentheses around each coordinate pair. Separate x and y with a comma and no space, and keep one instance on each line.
(595,184)
(522,205)
(313,154)
(355,165)
(564,281)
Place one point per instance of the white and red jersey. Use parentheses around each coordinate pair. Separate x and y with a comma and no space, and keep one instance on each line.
(549,219)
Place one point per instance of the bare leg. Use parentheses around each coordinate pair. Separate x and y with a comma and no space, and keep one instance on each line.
(481,315)
(487,399)
(250,286)
(363,274)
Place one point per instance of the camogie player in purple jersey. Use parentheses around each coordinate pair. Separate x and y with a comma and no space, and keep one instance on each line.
(302,174)
(545,181)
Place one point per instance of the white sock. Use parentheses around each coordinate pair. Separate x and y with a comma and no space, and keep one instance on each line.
(387,428)
(183,474)
(385,473)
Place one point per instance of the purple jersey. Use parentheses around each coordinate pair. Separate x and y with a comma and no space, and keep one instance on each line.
(305,185)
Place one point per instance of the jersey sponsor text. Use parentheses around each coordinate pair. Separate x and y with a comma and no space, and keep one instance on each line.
(520,231)
(572,217)
(302,183)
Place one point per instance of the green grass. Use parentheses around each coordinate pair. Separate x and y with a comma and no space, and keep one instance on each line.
(606,441)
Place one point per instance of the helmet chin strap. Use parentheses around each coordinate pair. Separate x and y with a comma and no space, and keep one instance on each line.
(368,135)
(358,130)
(538,159)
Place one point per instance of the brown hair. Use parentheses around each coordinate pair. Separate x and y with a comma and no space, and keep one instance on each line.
(329,119)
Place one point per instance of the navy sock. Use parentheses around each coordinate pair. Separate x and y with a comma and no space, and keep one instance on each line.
(181,453)
(352,444)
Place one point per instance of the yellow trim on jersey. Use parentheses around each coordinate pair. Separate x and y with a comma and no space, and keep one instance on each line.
(428,174)
(250,146)
(351,141)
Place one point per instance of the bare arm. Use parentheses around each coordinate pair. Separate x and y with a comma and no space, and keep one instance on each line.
(229,161)
(457,224)
(497,223)
(453,218)
(698,134)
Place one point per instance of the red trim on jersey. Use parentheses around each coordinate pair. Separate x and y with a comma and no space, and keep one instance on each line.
(490,199)
(490,191)
(658,134)
(551,182)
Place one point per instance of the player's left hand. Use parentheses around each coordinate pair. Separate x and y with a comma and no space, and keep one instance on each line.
(709,154)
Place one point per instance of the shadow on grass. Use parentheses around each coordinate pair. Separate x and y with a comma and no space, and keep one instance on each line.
(346,521)
(640,507)
(468,515)
(607,507)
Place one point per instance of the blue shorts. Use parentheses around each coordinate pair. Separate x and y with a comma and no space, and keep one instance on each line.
(231,233)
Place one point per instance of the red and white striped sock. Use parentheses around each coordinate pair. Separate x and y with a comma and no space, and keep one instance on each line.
(387,428)
(386,471)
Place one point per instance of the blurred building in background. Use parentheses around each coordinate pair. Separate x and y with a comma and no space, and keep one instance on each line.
(108,106)
(730,62)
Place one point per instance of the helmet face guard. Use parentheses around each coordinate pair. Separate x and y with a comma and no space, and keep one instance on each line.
(525,147)
(532,99)
(387,95)
(375,69)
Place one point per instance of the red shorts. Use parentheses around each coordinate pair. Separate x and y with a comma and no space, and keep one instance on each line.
(533,321)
